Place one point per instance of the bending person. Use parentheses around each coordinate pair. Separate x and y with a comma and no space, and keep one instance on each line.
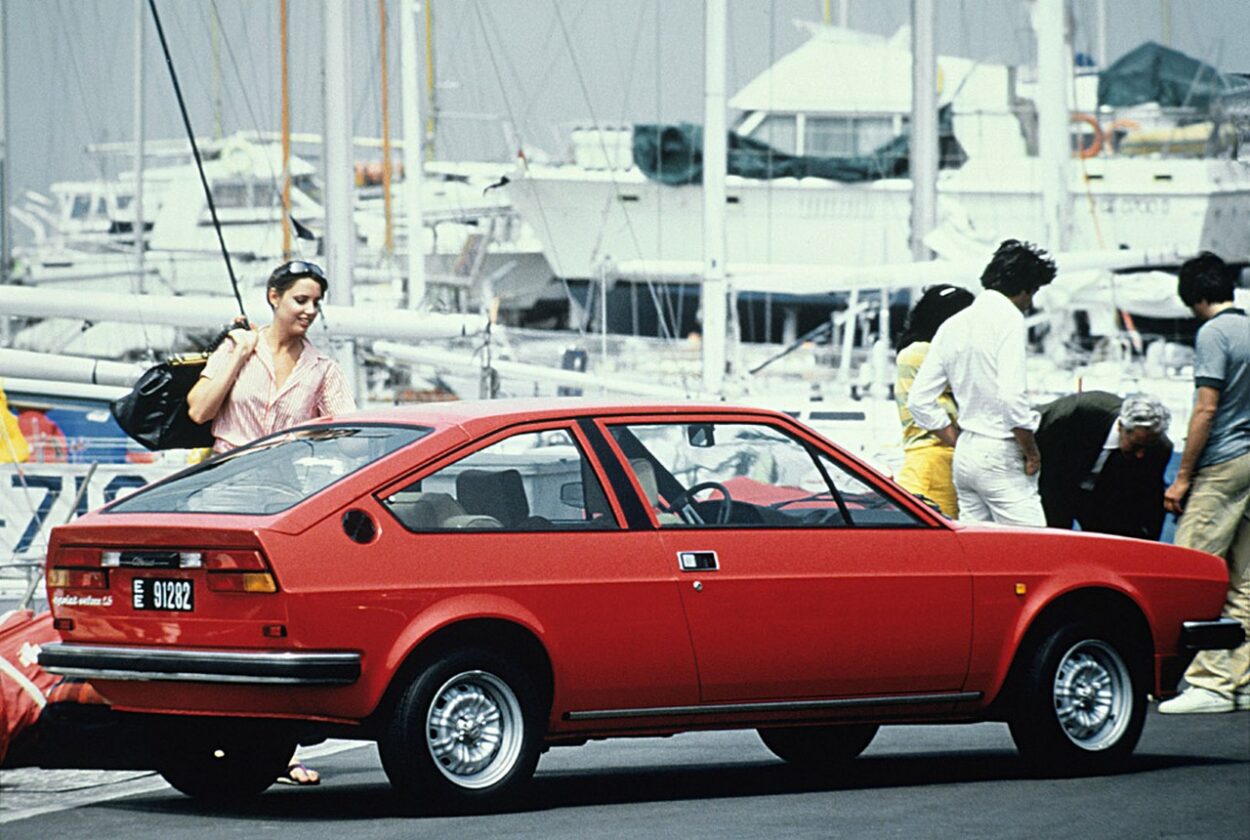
(926,457)
(1103,460)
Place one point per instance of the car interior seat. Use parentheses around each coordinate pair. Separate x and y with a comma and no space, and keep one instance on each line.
(425,511)
(499,494)
(645,471)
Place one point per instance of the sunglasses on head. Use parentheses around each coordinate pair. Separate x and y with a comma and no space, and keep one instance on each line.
(299,268)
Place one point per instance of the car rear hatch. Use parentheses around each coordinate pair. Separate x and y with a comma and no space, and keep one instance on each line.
(165,581)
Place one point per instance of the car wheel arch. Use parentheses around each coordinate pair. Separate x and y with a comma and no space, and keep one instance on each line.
(498,633)
(1102,604)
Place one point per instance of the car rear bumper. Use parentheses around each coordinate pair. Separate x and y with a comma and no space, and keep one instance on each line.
(108,662)
(1216,634)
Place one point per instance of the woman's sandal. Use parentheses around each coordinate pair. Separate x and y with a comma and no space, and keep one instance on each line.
(298,773)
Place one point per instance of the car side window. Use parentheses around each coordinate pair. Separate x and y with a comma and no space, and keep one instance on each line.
(712,475)
(533,481)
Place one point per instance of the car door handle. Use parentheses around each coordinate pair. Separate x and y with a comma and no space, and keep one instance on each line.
(697,561)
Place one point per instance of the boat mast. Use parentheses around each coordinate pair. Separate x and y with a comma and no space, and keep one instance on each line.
(389,241)
(715,153)
(431,121)
(924,130)
(410,107)
(283,51)
(340,232)
(1054,64)
(137,284)
(6,247)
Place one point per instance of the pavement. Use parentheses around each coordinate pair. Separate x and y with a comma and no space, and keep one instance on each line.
(1190,777)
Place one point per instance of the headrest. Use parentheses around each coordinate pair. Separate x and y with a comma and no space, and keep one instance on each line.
(472,522)
(422,511)
(499,494)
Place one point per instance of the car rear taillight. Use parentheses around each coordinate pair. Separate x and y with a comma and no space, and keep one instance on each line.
(77,568)
(238,571)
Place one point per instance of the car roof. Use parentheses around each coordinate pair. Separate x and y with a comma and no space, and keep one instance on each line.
(497,413)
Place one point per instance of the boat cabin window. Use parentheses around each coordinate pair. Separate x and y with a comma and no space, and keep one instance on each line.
(227,195)
(242,194)
(81,207)
(266,194)
(778,131)
(308,186)
(847,136)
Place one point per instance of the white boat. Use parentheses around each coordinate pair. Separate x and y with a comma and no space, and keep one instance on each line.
(845,93)
(83,234)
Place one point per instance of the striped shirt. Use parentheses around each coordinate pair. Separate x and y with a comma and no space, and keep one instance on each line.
(256,406)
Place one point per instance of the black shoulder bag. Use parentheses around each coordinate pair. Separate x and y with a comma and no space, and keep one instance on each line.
(154,413)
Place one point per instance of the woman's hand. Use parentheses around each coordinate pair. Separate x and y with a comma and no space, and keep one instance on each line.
(244,337)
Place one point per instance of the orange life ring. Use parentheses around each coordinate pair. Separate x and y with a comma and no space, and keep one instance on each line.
(1096,145)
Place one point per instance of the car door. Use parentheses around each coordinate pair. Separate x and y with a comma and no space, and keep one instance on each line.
(812,580)
(520,523)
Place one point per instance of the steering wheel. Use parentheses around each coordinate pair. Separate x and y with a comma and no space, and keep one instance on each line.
(683,502)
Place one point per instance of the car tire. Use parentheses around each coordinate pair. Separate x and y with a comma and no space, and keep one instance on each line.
(221,763)
(1081,700)
(465,735)
(819,747)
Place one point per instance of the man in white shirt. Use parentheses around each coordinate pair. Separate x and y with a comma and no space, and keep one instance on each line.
(980,354)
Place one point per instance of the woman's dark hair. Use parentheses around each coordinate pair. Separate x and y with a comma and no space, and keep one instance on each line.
(1018,267)
(1206,277)
(285,275)
(936,305)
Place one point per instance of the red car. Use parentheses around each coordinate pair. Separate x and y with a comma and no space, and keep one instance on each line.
(469,584)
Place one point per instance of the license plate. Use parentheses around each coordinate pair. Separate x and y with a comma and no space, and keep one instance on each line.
(172,594)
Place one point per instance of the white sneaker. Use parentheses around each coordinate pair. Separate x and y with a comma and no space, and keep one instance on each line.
(1197,701)
(1241,700)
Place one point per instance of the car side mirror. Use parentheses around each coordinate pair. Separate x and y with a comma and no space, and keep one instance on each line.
(573,494)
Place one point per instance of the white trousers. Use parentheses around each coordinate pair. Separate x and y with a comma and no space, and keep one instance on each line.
(991,485)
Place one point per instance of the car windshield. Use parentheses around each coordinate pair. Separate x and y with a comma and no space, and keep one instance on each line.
(272,474)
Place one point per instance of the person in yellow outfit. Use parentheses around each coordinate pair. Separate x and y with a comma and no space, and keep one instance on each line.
(14,446)
(926,459)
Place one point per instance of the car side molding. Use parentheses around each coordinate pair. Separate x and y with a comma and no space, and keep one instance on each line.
(108,662)
(1217,634)
(778,706)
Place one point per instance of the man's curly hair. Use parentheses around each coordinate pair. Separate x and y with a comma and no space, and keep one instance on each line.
(1206,277)
(1018,267)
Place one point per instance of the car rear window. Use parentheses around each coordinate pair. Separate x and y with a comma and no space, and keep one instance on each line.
(274,473)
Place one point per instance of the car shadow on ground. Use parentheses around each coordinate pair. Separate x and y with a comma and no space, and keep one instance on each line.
(364,798)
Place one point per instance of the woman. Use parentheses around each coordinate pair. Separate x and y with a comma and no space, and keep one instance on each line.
(926,460)
(262,381)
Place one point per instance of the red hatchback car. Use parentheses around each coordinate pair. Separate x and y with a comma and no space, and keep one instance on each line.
(469,584)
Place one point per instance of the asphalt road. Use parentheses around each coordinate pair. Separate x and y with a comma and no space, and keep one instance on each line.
(1190,777)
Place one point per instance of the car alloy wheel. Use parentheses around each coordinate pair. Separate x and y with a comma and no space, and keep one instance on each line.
(1078,705)
(465,734)
(1093,694)
(474,729)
